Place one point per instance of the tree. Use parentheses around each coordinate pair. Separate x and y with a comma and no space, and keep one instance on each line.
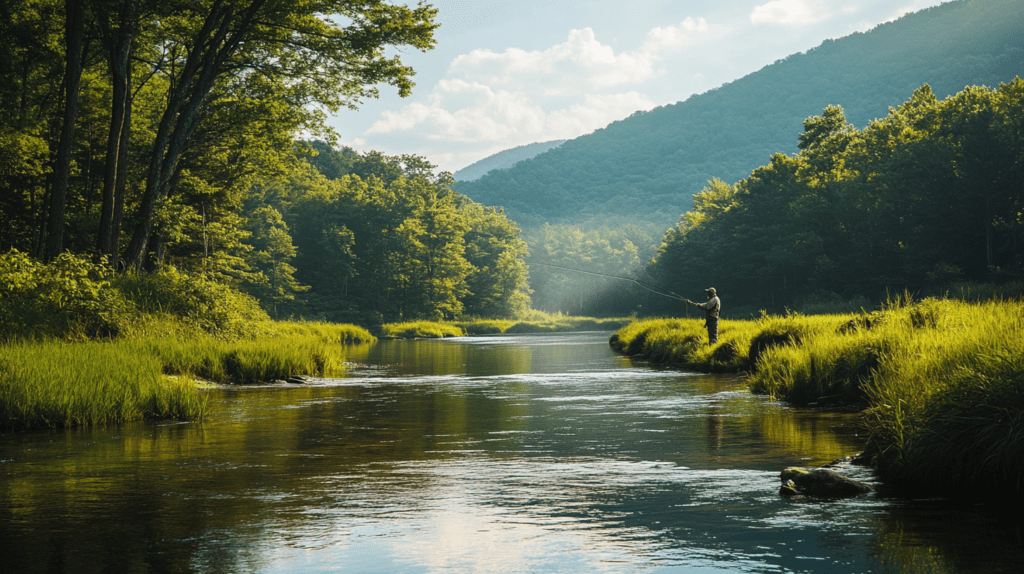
(74,33)
(498,280)
(273,254)
(295,45)
(118,39)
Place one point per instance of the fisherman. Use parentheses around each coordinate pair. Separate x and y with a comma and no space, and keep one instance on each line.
(713,305)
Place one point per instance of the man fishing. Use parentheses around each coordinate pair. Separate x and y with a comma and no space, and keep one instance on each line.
(712,307)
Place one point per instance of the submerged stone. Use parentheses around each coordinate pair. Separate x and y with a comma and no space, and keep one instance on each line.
(819,482)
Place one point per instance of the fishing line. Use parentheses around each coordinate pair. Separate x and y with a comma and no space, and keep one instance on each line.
(650,288)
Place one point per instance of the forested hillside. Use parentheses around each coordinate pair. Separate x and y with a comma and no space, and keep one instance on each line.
(647,167)
(504,159)
(928,197)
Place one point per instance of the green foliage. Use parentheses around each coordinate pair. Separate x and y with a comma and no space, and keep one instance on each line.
(326,332)
(684,343)
(830,303)
(420,329)
(504,159)
(57,384)
(387,240)
(571,268)
(208,97)
(68,298)
(260,360)
(199,303)
(73,298)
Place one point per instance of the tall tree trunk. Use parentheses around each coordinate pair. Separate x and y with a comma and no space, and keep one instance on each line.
(122,179)
(118,44)
(74,33)
(220,36)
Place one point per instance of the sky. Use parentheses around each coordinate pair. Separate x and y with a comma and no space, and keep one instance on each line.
(511,73)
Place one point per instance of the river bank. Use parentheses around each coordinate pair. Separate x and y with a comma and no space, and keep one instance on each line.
(940,383)
(58,383)
(156,369)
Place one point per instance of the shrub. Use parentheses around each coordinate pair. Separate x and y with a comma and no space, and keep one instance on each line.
(69,298)
(200,303)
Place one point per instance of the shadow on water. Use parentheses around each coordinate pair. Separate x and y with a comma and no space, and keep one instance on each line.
(536,453)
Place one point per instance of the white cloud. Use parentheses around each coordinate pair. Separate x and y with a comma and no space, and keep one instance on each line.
(518,97)
(686,33)
(790,12)
(581,63)
(505,116)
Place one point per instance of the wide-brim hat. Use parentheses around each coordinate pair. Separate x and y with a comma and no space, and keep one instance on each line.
(711,290)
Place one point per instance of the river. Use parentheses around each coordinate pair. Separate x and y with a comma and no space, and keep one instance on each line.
(525,453)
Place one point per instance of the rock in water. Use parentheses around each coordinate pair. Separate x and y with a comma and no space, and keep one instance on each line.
(819,482)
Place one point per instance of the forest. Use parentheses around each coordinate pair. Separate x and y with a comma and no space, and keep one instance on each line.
(190,135)
(928,197)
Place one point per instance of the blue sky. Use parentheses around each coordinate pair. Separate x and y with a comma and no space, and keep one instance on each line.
(509,73)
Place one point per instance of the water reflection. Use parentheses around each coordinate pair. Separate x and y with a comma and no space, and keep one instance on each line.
(492,454)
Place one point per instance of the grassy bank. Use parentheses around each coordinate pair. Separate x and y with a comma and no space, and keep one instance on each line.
(80,344)
(62,384)
(940,382)
(535,322)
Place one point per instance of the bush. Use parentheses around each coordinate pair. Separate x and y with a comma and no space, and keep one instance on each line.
(69,298)
(198,302)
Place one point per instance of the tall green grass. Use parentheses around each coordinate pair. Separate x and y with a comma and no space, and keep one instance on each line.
(420,329)
(243,362)
(946,404)
(326,332)
(684,343)
(940,381)
(58,384)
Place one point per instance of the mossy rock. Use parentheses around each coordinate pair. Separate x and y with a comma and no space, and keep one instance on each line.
(820,482)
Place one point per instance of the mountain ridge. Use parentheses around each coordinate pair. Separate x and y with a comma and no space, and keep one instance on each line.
(647,167)
(504,159)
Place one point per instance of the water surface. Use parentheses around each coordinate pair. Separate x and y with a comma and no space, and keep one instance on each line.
(526,453)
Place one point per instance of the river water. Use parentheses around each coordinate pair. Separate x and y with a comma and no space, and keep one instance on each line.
(526,453)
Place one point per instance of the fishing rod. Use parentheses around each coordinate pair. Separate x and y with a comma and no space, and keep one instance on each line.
(651,288)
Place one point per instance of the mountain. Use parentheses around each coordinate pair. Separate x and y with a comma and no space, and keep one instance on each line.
(504,159)
(647,167)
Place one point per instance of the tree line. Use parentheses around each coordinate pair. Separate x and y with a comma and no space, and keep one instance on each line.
(381,238)
(929,195)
